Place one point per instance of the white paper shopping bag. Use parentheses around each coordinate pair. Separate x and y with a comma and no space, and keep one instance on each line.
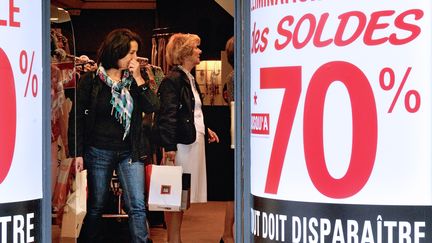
(165,189)
(76,208)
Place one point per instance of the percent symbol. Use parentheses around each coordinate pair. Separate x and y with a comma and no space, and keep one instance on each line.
(23,67)
(391,82)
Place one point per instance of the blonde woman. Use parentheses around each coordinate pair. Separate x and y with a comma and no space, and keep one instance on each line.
(180,122)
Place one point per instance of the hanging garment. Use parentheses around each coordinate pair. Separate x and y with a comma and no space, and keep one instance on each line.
(154,52)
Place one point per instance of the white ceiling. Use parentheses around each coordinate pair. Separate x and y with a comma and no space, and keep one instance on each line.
(228,5)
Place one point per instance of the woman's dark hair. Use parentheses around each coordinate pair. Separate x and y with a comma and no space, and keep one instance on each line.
(229,48)
(116,46)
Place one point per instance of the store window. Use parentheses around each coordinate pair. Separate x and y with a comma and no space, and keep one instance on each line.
(73,54)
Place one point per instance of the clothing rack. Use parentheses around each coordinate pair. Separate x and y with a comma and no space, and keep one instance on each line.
(162,35)
(160,38)
(162,30)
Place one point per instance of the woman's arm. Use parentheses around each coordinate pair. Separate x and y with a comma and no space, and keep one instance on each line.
(167,116)
(148,99)
(78,114)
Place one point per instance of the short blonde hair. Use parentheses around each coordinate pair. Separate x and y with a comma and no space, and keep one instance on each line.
(180,46)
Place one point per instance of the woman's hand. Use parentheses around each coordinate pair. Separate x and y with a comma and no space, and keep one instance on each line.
(213,137)
(168,157)
(79,164)
(134,68)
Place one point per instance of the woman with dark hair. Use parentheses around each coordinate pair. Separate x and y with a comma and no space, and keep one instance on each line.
(109,108)
(180,122)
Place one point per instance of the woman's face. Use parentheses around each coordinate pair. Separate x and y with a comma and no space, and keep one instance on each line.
(132,54)
(195,57)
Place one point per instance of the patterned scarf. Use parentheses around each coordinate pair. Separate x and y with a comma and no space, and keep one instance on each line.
(121,99)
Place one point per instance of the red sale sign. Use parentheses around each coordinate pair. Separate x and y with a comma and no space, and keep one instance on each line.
(21,121)
(346,88)
(21,114)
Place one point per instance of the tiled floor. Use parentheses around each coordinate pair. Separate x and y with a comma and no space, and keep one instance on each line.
(202,223)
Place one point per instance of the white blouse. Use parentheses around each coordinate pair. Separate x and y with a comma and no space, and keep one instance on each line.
(198,114)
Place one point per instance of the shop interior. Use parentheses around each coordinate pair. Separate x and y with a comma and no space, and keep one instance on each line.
(77,29)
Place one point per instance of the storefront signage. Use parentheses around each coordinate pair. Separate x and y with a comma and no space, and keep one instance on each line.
(341,121)
(20,120)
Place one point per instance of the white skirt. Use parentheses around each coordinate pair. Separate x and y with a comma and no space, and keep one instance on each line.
(192,159)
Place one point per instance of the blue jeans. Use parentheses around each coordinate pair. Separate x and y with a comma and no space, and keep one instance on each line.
(100,164)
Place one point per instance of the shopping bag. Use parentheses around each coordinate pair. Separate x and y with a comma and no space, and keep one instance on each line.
(186,184)
(165,188)
(76,208)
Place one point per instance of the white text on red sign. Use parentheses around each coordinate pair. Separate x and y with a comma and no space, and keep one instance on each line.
(260,123)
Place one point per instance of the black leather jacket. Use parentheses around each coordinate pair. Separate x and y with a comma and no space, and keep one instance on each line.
(80,129)
(175,119)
